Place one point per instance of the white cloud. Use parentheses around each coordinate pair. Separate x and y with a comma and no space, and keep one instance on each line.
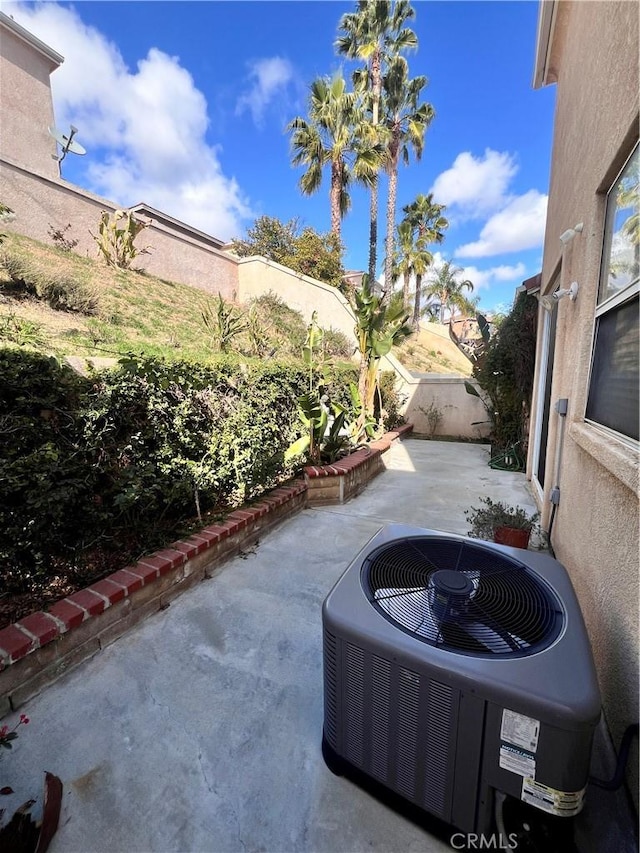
(269,79)
(475,185)
(519,225)
(478,188)
(483,279)
(509,273)
(144,129)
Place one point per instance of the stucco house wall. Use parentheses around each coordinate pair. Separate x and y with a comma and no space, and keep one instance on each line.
(592,54)
(26,64)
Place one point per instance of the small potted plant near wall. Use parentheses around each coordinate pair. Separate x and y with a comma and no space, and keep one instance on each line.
(498,522)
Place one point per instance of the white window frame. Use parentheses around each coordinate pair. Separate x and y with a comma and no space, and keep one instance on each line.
(611,302)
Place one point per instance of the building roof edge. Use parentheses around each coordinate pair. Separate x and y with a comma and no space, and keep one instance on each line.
(17,29)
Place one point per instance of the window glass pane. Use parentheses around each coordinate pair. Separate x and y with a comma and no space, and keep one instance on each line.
(613,393)
(622,236)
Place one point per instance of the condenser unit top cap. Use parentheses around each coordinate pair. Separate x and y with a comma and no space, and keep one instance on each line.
(558,684)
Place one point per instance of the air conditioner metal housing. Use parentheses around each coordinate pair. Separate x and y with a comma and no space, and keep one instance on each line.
(428,724)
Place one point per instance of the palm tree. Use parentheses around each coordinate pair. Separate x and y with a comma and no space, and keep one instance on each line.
(335,135)
(410,257)
(403,258)
(447,289)
(375,33)
(407,122)
(425,216)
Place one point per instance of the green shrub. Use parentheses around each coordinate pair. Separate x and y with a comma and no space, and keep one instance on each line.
(338,345)
(505,374)
(130,454)
(47,479)
(286,329)
(392,401)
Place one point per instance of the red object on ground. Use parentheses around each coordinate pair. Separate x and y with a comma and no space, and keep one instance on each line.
(512,537)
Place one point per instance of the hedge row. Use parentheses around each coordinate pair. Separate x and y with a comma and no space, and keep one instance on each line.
(123,455)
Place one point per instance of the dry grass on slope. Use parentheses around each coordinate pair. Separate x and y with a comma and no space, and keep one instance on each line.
(432,351)
(125,311)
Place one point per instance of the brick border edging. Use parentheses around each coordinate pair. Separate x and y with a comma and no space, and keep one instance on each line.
(355,460)
(39,648)
(342,480)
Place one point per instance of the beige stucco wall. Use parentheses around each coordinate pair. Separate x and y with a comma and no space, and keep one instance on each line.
(458,409)
(40,201)
(596,530)
(27,108)
(258,275)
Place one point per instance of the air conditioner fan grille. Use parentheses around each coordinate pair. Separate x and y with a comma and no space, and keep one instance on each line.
(462,596)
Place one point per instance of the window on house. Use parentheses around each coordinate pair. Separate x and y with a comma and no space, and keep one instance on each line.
(612,400)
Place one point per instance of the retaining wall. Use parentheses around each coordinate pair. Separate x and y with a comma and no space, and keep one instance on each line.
(461,414)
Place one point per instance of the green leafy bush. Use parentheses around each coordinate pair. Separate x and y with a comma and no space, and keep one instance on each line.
(285,329)
(47,480)
(124,458)
(305,250)
(392,401)
(130,454)
(485,519)
(505,375)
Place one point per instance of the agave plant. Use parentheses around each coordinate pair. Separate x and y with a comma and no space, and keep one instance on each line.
(116,236)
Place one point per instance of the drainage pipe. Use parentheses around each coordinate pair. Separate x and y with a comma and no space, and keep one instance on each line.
(561,407)
(623,756)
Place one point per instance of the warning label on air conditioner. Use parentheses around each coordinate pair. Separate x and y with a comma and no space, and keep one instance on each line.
(520,730)
(517,761)
(563,803)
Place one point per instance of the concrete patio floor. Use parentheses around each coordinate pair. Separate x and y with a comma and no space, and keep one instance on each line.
(200,729)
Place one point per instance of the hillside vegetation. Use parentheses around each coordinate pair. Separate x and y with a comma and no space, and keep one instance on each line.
(60,303)
(432,351)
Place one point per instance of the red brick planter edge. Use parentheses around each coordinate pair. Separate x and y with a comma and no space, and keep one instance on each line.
(40,647)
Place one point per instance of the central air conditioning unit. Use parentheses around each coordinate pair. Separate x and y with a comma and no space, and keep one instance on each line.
(458,674)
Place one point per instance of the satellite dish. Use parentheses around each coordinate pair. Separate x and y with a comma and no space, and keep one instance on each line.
(67,143)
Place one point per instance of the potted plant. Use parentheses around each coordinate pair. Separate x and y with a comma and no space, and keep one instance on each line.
(498,522)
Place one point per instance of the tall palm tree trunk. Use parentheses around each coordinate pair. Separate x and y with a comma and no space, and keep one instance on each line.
(391,215)
(376,80)
(415,321)
(334,198)
(405,288)
(373,230)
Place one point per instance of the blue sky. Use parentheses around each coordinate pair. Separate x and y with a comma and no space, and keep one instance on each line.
(184,105)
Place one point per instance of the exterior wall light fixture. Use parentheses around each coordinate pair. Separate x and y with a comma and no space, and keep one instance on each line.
(568,235)
(550,300)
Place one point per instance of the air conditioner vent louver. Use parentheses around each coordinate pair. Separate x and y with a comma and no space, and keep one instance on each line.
(462,597)
(330,665)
